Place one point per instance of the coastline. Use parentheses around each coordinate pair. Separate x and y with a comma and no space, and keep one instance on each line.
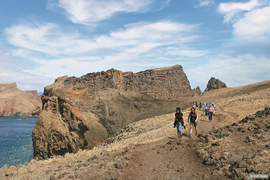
(16,144)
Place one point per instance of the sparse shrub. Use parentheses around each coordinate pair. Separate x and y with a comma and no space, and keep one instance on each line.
(248,178)
(78,164)
(223,133)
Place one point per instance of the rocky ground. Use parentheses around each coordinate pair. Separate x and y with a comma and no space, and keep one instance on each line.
(239,149)
(149,149)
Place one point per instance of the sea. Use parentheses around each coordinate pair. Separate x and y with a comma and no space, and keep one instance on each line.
(16,140)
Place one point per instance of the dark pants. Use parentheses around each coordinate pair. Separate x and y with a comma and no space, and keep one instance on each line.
(205,112)
(210,116)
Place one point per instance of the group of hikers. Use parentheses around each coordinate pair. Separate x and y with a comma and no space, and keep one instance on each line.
(179,120)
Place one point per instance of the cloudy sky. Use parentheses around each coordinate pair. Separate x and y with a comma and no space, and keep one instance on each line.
(41,40)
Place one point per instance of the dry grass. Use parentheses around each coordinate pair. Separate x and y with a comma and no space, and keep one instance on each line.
(239,102)
(151,130)
(143,132)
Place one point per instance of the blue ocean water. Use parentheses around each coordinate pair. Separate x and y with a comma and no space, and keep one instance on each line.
(16,140)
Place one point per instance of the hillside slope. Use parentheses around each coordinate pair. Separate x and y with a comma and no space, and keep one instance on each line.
(236,103)
(14,102)
(148,149)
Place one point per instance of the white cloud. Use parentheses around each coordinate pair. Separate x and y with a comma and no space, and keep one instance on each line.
(46,38)
(231,9)
(202,3)
(138,37)
(251,33)
(234,71)
(254,23)
(173,51)
(88,12)
(230,6)
(9,73)
(55,53)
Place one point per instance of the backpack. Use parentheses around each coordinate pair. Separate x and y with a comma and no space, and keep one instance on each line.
(179,119)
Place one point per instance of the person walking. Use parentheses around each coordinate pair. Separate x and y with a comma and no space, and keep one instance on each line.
(210,111)
(194,104)
(193,117)
(214,106)
(205,109)
(179,121)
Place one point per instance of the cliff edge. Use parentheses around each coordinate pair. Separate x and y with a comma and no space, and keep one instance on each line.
(14,102)
(79,113)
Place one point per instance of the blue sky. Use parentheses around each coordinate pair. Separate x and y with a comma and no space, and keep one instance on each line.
(45,39)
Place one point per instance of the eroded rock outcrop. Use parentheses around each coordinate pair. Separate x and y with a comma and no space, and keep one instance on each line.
(14,102)
(79,113)
(197,91)
(214,83)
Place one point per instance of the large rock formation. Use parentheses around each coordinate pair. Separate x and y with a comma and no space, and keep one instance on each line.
(79,113)
(14,102)
(214,83)
(162,83)
(197,91)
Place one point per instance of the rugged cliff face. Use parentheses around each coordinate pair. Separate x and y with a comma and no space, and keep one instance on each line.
(14,102)
(161,83)
(79,113)
(214,83)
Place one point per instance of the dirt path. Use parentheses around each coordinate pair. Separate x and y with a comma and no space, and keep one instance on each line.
(171,158)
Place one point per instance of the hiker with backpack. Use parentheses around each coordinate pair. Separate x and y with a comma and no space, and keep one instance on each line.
(179,121)
(205,109)
(193,117)
(210,111)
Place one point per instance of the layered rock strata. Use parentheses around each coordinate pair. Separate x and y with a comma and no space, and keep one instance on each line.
(14,102)
(79,113)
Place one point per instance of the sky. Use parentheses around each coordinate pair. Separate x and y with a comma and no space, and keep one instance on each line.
(46,39)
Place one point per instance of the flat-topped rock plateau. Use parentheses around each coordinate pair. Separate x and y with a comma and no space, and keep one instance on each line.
(14,102)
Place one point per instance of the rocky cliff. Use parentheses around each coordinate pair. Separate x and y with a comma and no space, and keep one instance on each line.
(197,91)
(214,83)
(79,113)
(14,102)
(162,83)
